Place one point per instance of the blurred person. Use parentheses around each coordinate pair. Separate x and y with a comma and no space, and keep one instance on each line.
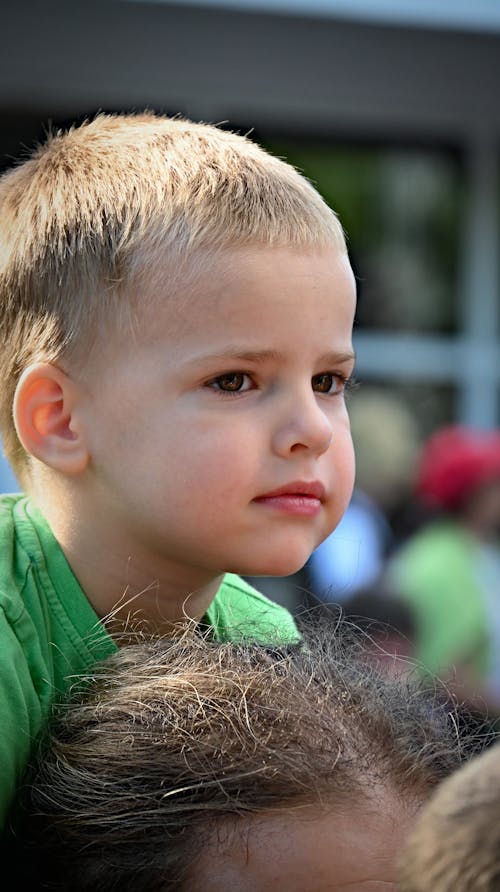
(386,440)
(449,569)
(352,557)
(198,766)
(389,627)
(389,631)
(455,846)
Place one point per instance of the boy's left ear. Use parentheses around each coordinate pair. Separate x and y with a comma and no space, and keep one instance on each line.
(47,420)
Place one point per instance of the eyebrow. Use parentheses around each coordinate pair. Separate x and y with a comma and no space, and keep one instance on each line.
(263,355)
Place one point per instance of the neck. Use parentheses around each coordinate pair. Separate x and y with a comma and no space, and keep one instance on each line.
(129,595)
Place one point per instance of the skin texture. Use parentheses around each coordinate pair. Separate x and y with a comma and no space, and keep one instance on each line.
(353,850)
(172,456)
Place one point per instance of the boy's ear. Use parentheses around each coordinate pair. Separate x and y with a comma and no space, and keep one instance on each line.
(46,418)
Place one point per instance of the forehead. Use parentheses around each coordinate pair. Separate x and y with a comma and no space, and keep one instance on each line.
(253,283)
(296,305)
(349,850)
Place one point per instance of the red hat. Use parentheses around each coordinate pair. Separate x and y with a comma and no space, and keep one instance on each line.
(454,462)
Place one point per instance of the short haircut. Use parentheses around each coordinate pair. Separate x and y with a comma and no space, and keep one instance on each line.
(91,214)
(171,741)
(456,844)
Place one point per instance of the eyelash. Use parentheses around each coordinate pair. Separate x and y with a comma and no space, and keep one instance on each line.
(344,383)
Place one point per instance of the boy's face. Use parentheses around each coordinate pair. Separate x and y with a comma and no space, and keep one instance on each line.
(219,437)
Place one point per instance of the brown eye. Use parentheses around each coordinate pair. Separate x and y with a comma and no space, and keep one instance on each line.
(233,382)
(326,383)
(230,382)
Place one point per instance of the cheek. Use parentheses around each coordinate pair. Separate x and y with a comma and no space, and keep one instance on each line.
(217,459)
(343,455)
(120,426)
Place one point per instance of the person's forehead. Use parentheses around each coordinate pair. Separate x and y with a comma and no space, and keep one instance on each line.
(346,850)
(224,284)
(292,297)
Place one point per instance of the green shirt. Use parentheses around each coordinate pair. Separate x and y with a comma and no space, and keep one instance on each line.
(49,632)
(436,573)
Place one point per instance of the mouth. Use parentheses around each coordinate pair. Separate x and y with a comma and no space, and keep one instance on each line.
(313,489)
(300,497)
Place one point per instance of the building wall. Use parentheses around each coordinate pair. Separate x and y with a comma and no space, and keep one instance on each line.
(312,77)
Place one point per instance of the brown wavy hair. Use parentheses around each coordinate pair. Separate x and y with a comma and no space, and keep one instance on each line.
(170,740)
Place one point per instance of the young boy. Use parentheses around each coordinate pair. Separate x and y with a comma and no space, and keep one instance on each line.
(176,314)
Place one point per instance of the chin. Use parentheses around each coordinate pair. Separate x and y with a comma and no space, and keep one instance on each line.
(283,566)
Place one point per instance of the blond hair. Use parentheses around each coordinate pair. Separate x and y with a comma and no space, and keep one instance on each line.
(173,742)
(99,206)
(455,846)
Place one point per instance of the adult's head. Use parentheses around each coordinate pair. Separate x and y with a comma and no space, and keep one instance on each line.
(192,765)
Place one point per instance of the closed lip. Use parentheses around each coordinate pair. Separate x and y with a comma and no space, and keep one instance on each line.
(313,489)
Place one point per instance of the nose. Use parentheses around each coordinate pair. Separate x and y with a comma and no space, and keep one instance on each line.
(305,426)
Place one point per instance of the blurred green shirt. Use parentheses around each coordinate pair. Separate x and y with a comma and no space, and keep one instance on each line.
(437,573)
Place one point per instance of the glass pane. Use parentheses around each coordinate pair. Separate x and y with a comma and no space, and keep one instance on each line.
(401,209)
(414,406)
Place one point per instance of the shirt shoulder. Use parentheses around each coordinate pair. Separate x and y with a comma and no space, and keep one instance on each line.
(48,634)
(239,612)
(42,600)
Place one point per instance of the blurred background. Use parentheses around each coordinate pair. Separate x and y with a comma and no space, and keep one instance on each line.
(391,109)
